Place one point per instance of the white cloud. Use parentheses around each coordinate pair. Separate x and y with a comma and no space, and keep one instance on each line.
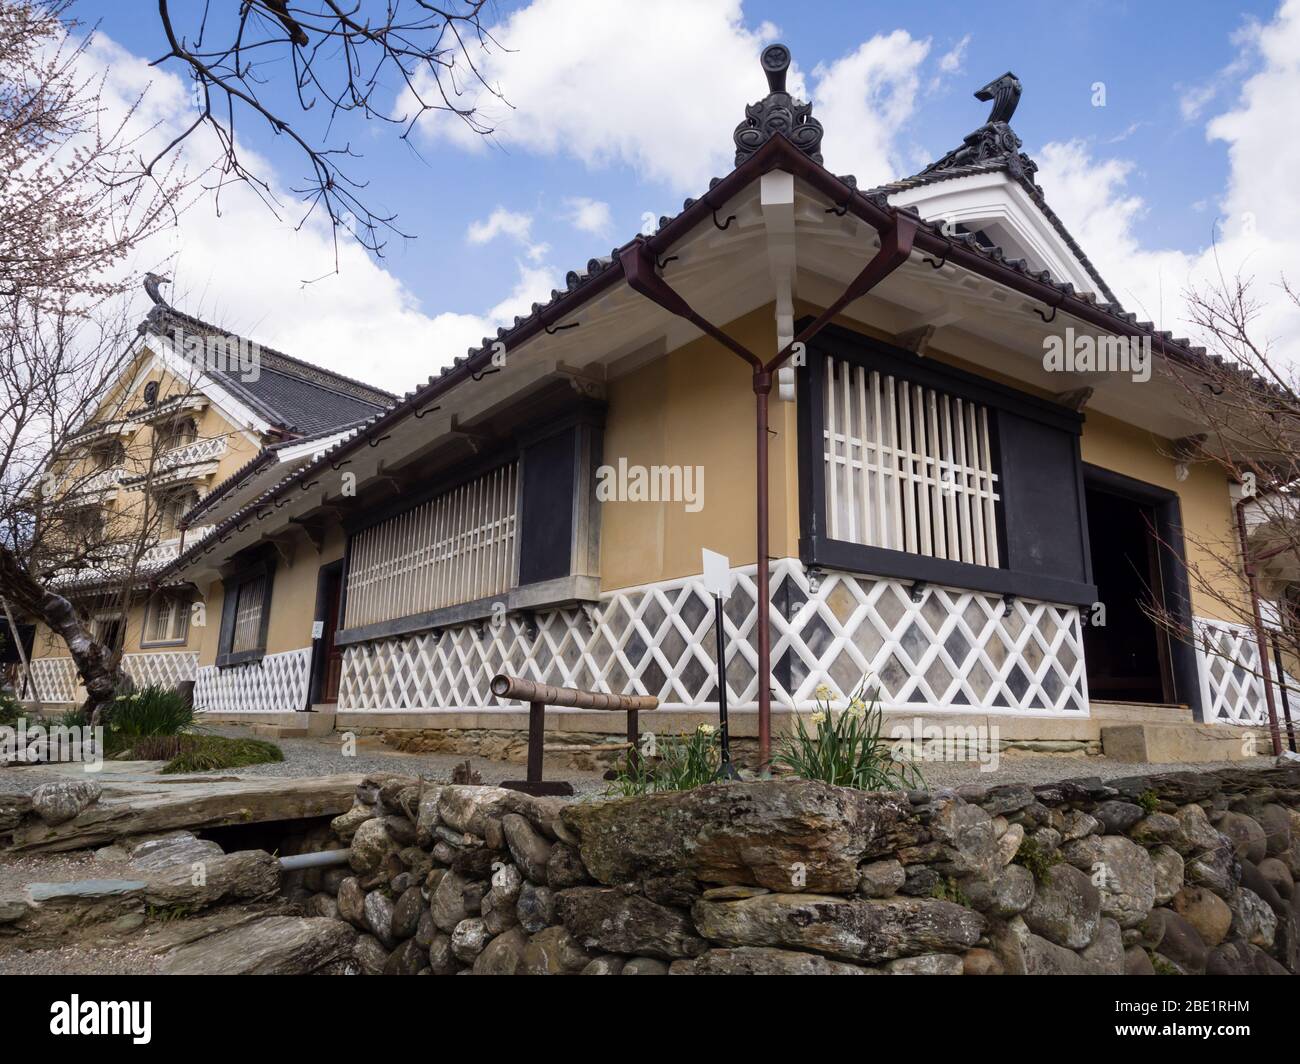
(1257,233)
(660,89)
(951,61)
(864,100)
(514,224)
(457,333)
(1194,99)
(589,215)
(511,223)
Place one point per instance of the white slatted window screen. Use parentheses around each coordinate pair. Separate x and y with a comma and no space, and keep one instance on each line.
(249,601)
(907,467)
(457,547)
(167,619)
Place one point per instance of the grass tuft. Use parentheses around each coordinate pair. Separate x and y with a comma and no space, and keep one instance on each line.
(208,753)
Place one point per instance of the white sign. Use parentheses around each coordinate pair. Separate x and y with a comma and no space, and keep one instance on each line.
(317,629)
(717,573)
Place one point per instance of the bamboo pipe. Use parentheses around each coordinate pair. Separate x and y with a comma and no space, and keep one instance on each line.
(530,691)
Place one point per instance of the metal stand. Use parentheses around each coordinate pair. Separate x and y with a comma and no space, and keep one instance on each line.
(535,785)
(1286,697)
(538,696)
(726,771)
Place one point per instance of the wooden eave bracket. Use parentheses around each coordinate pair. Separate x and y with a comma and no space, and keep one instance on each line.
(1077,398)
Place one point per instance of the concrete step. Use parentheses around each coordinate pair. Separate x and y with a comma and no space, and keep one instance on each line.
(1187,744)
(304,725)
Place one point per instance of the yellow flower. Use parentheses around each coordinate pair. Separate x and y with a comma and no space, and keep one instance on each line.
(818,718)
(823,693)
(706,729)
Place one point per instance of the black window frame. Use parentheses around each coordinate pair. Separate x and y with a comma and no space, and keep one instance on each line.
(818,550)
(584,419)
(262,567)
(175,595)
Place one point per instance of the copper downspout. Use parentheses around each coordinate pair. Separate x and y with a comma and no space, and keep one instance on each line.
(763,574)
(1248,567)
(639,269)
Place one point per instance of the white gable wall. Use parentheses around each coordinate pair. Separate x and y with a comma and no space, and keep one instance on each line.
(1004,210)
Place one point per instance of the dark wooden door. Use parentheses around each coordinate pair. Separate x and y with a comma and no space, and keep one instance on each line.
(331,653)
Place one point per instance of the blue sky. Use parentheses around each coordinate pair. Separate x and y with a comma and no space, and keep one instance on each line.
(1168,69)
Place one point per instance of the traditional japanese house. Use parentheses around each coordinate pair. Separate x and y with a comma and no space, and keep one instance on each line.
(974,482)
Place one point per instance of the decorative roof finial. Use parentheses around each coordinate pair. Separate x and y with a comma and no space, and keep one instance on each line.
(1005,94)
(995,141)
(778,112)
(151,283)
(776,61)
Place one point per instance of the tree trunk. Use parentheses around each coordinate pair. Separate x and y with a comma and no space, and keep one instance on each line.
(98,666)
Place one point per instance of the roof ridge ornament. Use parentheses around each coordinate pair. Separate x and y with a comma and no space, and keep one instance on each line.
(151,283)
(778,112)
(1005,94)
(995,140)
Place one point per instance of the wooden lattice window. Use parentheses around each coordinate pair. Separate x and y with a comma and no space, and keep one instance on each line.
(167,619)
(908,467)
(246,612)
(250,601)
(459,546)
(181,433)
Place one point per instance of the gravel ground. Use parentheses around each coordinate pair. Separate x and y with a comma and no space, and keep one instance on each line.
(1050,768)
(77,960)
(324,756)
(309,757)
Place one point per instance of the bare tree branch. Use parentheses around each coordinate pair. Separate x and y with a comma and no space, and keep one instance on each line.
(353,57)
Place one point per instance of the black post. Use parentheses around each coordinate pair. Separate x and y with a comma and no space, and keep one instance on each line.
(1286,698)
(536,738)
(726,770)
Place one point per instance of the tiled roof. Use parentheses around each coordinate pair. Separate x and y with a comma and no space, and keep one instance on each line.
(294,396)
(264,458)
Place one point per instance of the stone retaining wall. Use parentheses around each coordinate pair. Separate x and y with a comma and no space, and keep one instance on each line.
(1184,873)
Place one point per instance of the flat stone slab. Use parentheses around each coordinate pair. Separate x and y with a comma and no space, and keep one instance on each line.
(151,809)
(84,888)
(277,945)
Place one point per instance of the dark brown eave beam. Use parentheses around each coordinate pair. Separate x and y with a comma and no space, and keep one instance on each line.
(639,269)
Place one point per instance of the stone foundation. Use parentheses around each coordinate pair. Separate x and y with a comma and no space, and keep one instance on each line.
(511,745)
(1181,873)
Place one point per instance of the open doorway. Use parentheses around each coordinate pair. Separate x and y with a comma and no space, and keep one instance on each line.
(327,662)
(1127,657)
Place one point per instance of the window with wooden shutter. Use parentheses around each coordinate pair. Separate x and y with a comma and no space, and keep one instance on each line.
(250,601)
(916,470)
(908,467)
(246,611)
(459,546)
(167,619)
